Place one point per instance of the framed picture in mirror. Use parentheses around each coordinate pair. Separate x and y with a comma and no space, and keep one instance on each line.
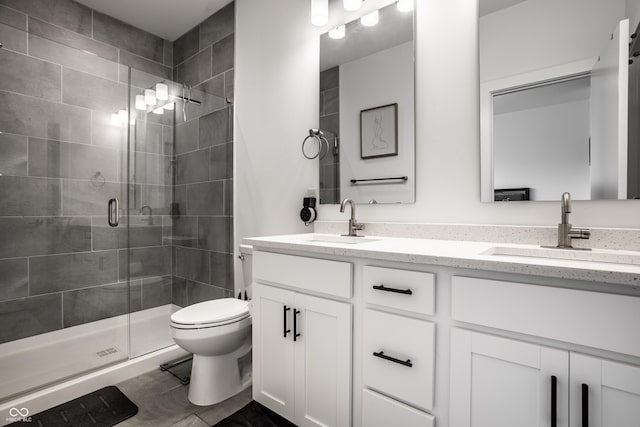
(379,131)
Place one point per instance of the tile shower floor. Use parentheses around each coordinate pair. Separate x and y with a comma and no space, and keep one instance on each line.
(163,402)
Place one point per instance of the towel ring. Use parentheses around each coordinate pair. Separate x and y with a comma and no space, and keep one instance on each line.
(317,135)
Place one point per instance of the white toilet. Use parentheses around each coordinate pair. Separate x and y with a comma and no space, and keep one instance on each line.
(218,333)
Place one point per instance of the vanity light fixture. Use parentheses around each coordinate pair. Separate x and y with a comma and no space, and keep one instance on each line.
(352,5)
(140,103)
(405,5)
(338,32)
(319,12)
(162,92)
(150,97)
(370,19)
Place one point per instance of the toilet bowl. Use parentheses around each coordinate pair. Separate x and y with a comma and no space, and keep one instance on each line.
(218,333)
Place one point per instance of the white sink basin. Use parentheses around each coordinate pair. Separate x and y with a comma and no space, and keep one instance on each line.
(596,255)
(349,240)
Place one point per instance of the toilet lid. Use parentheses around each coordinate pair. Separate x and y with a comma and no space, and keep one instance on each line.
(213,311)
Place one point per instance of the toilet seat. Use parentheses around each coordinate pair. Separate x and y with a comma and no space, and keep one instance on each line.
(209,314)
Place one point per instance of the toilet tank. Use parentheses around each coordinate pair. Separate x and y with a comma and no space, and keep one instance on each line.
(244,282)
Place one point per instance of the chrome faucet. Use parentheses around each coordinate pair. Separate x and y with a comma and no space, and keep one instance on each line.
(354,226)
(565,231)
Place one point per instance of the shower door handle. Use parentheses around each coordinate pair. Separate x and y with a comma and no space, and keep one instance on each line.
(113,212)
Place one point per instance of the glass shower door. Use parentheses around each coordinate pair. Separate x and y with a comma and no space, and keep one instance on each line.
(64,270)
(151,165)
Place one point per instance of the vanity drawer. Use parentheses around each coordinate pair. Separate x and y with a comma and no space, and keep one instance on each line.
(401,289)
(402,366)
(593,319)
(312,274)
(381,411)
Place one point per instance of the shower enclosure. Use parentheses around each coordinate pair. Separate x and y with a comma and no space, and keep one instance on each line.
(88,203)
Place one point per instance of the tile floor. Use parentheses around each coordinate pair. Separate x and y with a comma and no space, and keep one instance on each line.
(162,402)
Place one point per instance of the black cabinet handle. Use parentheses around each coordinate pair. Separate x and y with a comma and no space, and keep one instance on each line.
(554,400)
(284,313)
(381,355)
(394,290)
(295,324)
(585,405)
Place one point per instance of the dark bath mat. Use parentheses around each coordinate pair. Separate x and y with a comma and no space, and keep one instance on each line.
(254,415)
(102,408)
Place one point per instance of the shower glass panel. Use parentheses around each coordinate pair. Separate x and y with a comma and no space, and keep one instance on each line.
(81,286)
(153,101)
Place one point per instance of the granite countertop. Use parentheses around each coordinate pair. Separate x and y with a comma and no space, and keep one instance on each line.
(621,267)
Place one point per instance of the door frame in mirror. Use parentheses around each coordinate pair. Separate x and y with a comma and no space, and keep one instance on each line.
(491,88)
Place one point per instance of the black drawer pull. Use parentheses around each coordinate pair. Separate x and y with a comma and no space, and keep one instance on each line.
(295,324)
(554,401)
(585,405)
(286,331)
(381,355)
(394,290)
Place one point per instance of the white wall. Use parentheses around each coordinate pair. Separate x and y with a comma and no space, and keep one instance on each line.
(277,88)
(523,148)
(538,34)
(382,78)
(276,102)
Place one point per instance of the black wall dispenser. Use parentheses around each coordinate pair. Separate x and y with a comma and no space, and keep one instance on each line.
(308,213)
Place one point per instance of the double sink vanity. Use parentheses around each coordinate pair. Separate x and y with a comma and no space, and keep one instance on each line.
(382,331)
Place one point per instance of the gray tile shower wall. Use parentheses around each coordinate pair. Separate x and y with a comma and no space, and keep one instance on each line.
(202,234)
(64,72)
(330,125)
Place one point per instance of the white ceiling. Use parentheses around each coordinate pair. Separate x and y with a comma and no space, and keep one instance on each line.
(168,19)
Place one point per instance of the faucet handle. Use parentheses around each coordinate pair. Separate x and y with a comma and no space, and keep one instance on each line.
(358,226)
(580,233)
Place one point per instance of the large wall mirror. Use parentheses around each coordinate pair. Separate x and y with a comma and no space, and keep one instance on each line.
(367,110)
(559,93)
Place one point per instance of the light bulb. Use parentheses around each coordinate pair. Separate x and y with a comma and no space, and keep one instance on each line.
(405,5)
(370,19)
(150,97)
(352,4)
(319,12)
(123,116)
(337,32)
(159,110)
(170,106)
(162,91)
(140,103)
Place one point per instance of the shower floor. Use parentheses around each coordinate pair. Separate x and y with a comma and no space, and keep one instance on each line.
(38,361)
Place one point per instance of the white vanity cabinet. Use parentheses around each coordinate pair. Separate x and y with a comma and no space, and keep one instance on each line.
(612,392)
(302,343)
(499,381)
(504,382)
(398,349)
(400,333)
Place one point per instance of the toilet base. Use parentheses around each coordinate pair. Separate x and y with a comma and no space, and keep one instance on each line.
(216,378)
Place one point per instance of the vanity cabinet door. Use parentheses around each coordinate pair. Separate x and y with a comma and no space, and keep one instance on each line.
(273,352)
(498,382)
(302,356)
(604,393)
(322,362)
